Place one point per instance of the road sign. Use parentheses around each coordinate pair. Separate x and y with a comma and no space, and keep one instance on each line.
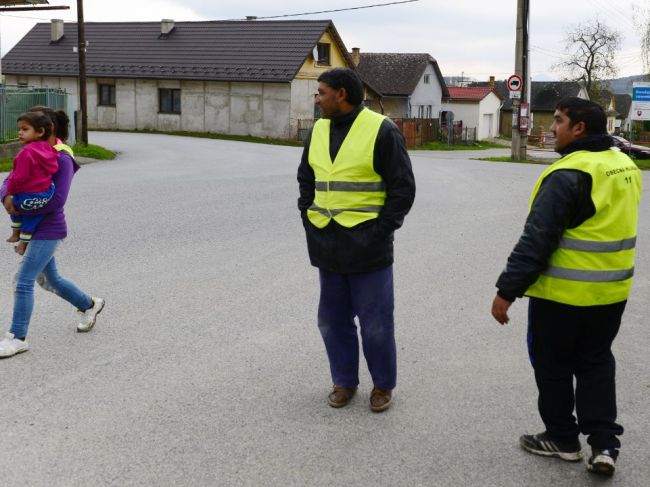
(515,83)
(640,101)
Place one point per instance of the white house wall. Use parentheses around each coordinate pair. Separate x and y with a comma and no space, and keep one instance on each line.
(472,115)
(427,94)
(491,104)
(303,92)
(468,112)
(259,109)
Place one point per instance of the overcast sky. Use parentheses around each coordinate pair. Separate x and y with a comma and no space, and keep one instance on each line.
(470,37)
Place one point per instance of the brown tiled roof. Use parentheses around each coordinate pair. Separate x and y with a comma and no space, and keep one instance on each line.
(216,50)
(396,74)
(470,93)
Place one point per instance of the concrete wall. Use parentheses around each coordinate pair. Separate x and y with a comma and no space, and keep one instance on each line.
(427,94)
(394,107)
(259,109)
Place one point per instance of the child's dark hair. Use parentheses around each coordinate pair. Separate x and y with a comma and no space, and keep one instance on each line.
(38,120)
(59,119)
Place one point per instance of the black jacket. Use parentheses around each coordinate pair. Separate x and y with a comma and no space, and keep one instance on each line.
(369,245)
(563,201)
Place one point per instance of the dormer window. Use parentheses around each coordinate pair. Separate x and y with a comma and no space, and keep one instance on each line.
(323,50)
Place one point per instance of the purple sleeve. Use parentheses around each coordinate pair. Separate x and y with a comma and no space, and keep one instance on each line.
(3,189)
(62,180)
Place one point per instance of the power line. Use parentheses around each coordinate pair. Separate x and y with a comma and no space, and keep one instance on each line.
(335,10)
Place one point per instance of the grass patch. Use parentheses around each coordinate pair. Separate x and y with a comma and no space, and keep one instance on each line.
(6,164)
(93,151)
(437,145)
(201,135)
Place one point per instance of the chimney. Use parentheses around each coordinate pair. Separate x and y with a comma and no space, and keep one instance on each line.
(166,26)
(356,55)
(56,26)
(491,82)
(251,17)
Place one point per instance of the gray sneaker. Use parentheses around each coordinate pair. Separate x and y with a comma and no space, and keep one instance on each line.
(90,315)
(603,462)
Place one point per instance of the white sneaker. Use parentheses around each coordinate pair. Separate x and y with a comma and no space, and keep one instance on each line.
(90,315)
(10,346)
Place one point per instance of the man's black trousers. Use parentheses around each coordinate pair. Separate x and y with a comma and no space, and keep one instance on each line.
(572,341)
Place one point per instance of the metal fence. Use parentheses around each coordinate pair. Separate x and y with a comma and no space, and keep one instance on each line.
(15,100)
(458,134)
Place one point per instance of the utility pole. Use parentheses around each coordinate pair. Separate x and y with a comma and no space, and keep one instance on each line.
(519,138)
(83,102)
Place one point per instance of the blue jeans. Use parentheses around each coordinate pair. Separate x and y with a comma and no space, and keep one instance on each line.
(38,258)
(369,296)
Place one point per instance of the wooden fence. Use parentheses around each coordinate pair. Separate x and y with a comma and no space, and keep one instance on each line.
(416,131)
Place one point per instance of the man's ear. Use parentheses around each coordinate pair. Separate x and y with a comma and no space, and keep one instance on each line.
(341,95)
(579,129)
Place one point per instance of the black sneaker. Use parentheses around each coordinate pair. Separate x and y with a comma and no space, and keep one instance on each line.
(542,444)
(603,462)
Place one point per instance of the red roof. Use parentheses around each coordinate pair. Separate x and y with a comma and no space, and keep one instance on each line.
(469,93)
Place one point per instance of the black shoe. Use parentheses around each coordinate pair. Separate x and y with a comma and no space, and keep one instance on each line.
(542,444)
(603,462)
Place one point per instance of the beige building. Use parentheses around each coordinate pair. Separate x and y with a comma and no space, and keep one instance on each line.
(231,77)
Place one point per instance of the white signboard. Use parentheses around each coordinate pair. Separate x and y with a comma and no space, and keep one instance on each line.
(640,101)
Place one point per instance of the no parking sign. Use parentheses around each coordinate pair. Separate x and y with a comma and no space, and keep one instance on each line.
(515,83)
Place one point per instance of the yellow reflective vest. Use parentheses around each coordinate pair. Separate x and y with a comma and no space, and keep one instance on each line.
(594,262)
(347,189)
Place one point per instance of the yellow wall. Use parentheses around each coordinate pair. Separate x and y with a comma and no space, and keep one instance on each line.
(310,70)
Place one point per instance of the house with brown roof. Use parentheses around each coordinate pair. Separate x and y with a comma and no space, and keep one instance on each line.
(475,107)
(250,77)
(403,85)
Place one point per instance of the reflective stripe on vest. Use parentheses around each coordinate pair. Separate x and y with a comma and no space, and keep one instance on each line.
(594,262)
(347,189)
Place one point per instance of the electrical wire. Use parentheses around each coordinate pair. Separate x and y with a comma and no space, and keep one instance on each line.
(334,10)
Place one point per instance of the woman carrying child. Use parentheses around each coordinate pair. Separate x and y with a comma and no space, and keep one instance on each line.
(39,257)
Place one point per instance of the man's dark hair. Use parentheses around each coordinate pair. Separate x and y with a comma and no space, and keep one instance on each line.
(579,110)
(339,78)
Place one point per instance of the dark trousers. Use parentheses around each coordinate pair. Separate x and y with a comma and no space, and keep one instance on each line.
(368,296)
(572,341)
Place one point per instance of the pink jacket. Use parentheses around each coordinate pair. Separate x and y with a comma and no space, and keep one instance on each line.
(33,168)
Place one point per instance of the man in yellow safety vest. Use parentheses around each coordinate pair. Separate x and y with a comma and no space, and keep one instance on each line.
(356,187)
(575,260)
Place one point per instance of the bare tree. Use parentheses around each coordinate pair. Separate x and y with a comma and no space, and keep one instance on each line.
(591,49)
(642,24)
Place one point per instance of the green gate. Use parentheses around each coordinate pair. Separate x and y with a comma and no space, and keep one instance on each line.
(15,100)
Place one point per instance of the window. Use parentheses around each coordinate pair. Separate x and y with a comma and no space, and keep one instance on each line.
(323,54)
(428,111)
(169,100)
(106,95)
(427,79)
(421,111)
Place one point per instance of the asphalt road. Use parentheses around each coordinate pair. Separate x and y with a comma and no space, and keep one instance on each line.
(206,367)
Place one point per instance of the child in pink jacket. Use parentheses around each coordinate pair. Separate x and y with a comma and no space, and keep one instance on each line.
(30,181)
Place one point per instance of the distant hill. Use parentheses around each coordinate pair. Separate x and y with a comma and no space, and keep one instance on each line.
(623,86)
